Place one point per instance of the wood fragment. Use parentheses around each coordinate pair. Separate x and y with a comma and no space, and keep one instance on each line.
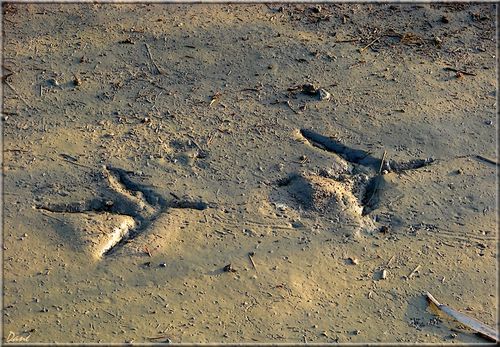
(470,322)
(350,40)
(449,68)
(370,44)
(75,163)
(382,163)
(251,260)
(16,92)
(161,297)
(111,313)
(390,260)
(159,337)
(414,271)
(195,143)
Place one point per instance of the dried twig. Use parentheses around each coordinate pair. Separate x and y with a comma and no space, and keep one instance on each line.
(448,68)
(111,313)
(350,40)
(16,92)
(382,162)
(164,337)
(371,43)
(470,322)
(251,260)
(414,271)
(390,260)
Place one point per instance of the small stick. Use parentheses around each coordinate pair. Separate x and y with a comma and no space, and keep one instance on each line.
(382,163)
(470,322)
(194,142)
(147,251)
(152,60)
(161,297)
(16,92)
(251,260)
(41,90)
(15,150)
(109,313)
(74,163)
(351,40)
(448,68)
(371,43)
(413,272)
(158,337)
(390,260)
(210,139)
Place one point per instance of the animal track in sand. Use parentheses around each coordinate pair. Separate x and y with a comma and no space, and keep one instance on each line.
(124,210)
(347,195)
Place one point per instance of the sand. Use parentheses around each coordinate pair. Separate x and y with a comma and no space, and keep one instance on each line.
(157,188)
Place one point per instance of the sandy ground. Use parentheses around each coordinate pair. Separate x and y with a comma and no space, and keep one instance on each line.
(158,188)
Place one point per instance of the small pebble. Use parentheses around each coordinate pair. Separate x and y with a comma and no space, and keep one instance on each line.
(324,95)
(354,261)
